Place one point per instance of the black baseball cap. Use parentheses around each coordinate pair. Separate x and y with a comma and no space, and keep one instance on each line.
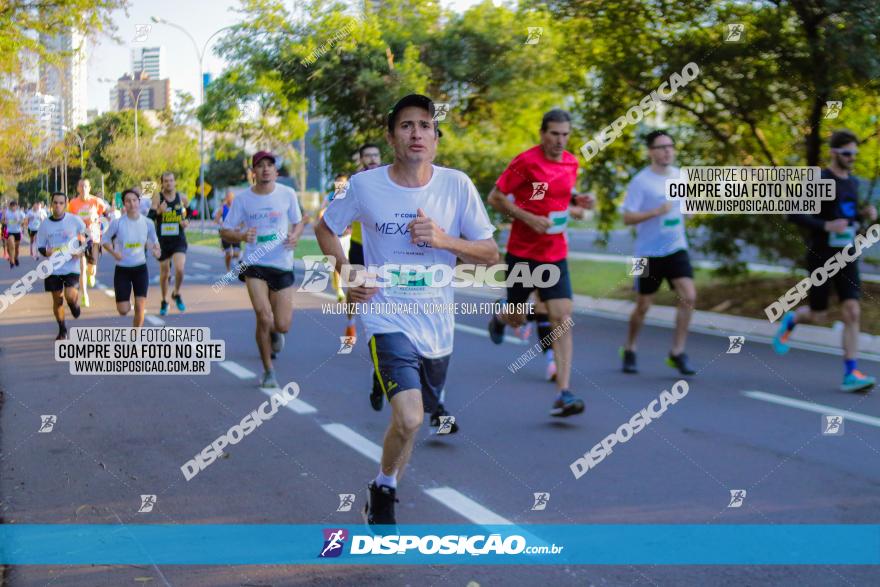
(417,100)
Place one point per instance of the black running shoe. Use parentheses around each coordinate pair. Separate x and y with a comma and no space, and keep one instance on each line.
(379,509)
(629,361)
(17,262)
(62,334)
(680,362)
(566,404)
(496,330)
(377,396)
(75,310)
(435,420)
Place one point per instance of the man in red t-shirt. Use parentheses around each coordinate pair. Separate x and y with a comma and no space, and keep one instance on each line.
(541,182)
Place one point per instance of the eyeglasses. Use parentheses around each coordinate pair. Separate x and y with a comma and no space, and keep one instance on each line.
(662,147)
(846,152)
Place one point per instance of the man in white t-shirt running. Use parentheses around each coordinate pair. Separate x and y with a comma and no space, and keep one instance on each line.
(662,242)
(414,215)
(267,217)
(14,218)
(63,233)
(35,217)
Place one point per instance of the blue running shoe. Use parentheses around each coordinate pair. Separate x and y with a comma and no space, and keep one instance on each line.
(780,341)
(857,381)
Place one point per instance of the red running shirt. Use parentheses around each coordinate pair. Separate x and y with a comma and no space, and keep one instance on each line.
(542,187)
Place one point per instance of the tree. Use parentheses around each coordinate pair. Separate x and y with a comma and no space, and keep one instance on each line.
(173,151)
(351,69)
(228,167)
(22,22)
(756,102)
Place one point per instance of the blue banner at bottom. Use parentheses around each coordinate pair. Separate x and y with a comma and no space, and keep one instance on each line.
(171,544)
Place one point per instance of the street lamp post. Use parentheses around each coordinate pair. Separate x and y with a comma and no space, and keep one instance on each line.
(200,54)
(135,98)
(82,143)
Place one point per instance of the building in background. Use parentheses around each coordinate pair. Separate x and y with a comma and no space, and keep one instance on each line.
(44,111)
(92,114)
(68,80)
(151,94)
(149,59)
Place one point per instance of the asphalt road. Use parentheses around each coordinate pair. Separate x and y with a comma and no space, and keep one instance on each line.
(118,437)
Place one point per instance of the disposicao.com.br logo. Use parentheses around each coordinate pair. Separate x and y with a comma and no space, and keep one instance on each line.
(451,544)
(318,270)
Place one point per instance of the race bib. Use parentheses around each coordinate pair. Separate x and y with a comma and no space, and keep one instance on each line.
(411,283)
(266,238)
(670,223)
(841,239)
(133,245)
(559,220)
(169,229)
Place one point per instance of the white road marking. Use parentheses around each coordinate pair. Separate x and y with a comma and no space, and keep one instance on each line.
(110,293)
(484,332)
(346,435)
(813,407)
(297,405)
(465,506)
(202,265)
(154,320)
(238,370)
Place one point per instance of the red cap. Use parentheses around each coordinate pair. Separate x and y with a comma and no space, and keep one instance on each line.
(260,155)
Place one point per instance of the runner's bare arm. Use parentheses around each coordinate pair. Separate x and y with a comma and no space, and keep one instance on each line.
(294,234)
(577,212)
(232,235)
(499,201)
(630,217)
(330,244)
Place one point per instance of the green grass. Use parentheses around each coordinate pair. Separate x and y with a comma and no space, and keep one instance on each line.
(208,239)
(607,279)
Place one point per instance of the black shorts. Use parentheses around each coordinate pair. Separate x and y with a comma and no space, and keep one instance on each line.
(517,293)
(16,236)
(170,247)
(127,278)
(91,259)
(670,267)
(847,282)
(59,282)
(32,233)
(400,367)
(356,254)
(276,278)
(226,245)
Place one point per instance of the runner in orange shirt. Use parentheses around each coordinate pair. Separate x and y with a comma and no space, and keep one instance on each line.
(90,209)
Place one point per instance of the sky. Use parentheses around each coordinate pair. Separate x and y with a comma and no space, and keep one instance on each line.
(110,60)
